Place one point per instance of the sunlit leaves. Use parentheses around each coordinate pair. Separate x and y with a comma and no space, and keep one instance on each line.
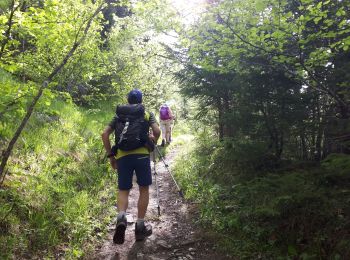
(294,34)
(44,34)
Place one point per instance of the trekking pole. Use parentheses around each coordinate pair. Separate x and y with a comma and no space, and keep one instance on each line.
(167,167)
(156,181)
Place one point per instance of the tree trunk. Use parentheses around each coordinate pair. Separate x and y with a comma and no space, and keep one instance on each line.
(304,154)
(268,126)
(280,146)
(319,136)
(228,129)
(9,28)
(221,123)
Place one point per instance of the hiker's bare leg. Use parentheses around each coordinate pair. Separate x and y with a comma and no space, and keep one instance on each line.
(143,202)
(168,131)
(123,200)
(163,130)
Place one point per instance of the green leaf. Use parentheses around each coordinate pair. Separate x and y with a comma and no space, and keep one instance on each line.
(317,19)
(340,12)
(292,250)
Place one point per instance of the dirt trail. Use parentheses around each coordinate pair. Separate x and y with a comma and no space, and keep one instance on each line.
(175,236)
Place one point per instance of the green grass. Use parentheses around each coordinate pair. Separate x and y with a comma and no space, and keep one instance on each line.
(59,192)
(299,211)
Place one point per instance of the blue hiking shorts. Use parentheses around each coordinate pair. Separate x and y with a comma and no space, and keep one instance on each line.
(140,163)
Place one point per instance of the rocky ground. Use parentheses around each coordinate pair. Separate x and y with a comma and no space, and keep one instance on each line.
(175,234)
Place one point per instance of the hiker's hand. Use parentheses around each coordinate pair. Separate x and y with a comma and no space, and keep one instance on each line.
(152,138)
(113,162)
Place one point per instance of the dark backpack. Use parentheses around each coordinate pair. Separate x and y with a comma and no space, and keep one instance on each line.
(131,130)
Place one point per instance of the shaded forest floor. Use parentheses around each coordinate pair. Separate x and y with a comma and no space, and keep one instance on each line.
(175,233)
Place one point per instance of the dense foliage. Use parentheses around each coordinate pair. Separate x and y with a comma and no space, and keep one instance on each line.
(299,211)
(270,168)
(58,194)
(274,72)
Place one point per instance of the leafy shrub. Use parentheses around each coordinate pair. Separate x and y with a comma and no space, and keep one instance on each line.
(57,178)
(286,213)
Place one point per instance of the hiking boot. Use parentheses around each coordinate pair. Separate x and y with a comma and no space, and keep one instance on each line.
(142,231)
(119,235)
(163,143)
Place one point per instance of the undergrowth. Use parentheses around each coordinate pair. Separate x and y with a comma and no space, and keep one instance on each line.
(59,192)
(290,211)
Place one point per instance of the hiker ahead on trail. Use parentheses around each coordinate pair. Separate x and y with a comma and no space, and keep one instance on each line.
(166,119)
(133,143)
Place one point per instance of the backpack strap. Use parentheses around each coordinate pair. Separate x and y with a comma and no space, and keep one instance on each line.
(147,116)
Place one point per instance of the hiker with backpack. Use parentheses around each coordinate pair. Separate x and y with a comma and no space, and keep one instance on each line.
(133,143)
(166,120)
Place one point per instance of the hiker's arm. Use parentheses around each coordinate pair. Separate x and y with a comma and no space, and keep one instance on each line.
(171,114)
(155,131)
(105,139)
(107,144)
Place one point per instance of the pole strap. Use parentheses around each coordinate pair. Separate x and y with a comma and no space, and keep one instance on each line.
(125,129)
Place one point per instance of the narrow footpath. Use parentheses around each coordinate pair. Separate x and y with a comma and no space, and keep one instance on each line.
(175,235)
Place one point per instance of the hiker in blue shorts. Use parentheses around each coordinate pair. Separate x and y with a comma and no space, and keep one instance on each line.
(133,143)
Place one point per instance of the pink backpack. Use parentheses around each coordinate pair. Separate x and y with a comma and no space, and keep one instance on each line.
(164,113)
